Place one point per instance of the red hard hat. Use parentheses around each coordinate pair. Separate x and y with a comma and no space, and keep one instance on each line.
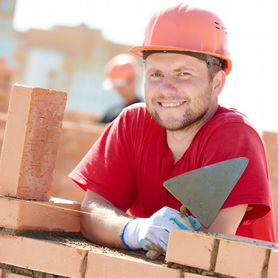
(120,69)
(187,29)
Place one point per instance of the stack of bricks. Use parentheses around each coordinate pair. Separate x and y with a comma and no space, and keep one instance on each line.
(26,173)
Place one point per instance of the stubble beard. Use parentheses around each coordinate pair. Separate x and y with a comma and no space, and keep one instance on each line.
(188,119)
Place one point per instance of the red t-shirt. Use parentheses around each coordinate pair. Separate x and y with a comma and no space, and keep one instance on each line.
(131,160)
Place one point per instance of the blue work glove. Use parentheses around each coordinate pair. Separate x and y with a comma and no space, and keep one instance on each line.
(152,233)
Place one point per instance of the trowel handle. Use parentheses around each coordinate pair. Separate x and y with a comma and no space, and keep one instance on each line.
(184,210)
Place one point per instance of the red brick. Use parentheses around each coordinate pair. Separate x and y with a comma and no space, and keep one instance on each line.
(273,264)
(190,249)
(106,265)
(239,259)
(41,255)
(38,215)
(31,142)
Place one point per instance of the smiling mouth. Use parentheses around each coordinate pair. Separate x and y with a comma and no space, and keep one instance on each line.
(171,104)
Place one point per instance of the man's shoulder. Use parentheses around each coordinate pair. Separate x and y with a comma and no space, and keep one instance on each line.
(225,116)
(226,121)
(230,114)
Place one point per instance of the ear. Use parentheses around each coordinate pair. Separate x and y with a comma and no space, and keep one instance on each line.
(218,82)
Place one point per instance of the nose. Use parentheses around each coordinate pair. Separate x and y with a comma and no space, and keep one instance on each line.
(167,87)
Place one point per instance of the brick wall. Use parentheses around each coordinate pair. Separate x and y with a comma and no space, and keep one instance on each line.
(77,138)
(190,254)
(223,255)
(4,100)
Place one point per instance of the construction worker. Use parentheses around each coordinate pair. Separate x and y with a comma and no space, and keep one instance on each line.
(121,75)
(181,128)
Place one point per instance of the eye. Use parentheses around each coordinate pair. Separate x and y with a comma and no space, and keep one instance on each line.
(156,75)
(184,74)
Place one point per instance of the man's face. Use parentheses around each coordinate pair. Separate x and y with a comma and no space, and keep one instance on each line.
(178,92)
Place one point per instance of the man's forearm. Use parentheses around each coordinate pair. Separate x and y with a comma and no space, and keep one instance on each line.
(104,223)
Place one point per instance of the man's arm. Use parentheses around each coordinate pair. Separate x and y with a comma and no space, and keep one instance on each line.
(105,223)
(228,220)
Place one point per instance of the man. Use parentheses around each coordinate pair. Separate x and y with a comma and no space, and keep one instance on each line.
(182,128)
(121,74)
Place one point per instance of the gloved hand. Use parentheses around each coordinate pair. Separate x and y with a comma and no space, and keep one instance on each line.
(152,233)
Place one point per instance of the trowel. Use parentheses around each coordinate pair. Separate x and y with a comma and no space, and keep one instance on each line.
(203,191)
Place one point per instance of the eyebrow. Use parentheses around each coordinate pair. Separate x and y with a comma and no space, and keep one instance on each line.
(179,68)
(182,68)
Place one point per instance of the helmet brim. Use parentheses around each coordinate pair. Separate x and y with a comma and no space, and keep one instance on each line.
(138,51)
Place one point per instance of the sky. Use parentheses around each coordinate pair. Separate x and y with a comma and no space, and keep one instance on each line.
(252,85)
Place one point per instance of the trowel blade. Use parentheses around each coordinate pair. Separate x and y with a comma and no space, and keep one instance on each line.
(203,191)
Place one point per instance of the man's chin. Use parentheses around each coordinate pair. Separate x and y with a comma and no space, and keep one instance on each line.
(174,123)
(170,124)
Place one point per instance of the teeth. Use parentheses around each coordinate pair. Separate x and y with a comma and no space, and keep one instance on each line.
(171,104)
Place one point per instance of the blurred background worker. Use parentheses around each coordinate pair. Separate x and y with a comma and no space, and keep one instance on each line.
(122,76)
(122,73)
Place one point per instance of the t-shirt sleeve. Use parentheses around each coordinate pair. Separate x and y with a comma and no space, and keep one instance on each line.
(107,168)
(233,140)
